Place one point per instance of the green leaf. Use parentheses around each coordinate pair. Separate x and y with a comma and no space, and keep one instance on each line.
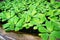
(28,25)
(3,16)
(32,7)
(57,28)
(54,18)
(51,37)
(52,1)
(56,34)
(7,14)
(35,21)
(44,36)
(50,12)
(25,25)
(27,18)
(40,16)
(17,28)
(49,26)
(56,25)
(33,12)
(6,25)
(13,20)
(19,24)
(42,29)
(57,5)
(11,26)
(12,13)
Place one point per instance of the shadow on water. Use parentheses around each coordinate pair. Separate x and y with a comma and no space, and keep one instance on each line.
(30,31)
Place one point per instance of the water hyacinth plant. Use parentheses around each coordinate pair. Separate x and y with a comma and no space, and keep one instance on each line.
(44,14)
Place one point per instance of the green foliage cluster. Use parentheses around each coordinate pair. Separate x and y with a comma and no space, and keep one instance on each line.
(44,14)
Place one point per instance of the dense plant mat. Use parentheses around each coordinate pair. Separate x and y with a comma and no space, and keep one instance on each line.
(41,15)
